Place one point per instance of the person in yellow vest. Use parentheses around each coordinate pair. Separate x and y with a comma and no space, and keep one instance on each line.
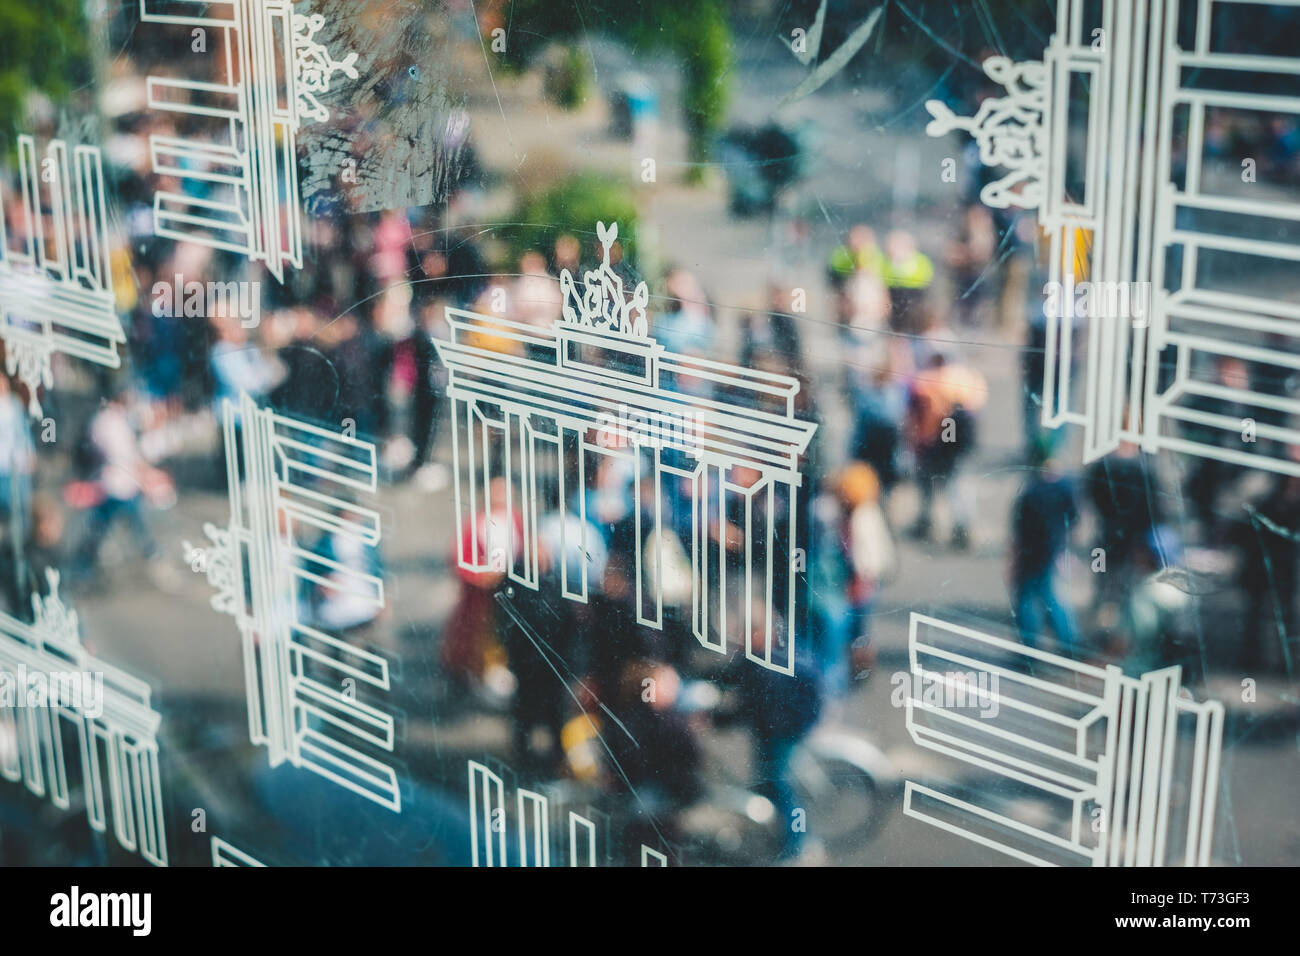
(908,273)
(861,253)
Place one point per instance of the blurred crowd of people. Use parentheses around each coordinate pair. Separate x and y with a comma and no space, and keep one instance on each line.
(352,345)
(349,342)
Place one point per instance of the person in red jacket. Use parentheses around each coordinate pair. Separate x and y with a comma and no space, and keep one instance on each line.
(488,540)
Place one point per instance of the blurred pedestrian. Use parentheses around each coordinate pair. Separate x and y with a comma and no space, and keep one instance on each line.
(854,552)
(17,458)
(945,400)
(427,396)
(970,257)
(654,748)
(42,552)
(878,411)
(123,481)
(774,334)
(1122,491)
(1209,477)
(685,324)
(862,310)
(781,710)
(1033,368)
(535,298)
(1042,520)
(1271,562)
(469,643)
(340,595)
(239,365)
(908,273)
(860,253)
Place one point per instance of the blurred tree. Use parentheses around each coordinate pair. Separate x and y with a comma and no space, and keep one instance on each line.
(696,32)
(44,46)
(572,207)
(569,78)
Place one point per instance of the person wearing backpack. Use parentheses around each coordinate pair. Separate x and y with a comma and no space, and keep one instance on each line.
(946,396)
(853,554)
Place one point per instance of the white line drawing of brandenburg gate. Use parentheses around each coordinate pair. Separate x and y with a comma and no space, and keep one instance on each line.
(524,416)
(241,181)
(1110,138)
(73,740)
(288,481)
(56,289)
(1126,769)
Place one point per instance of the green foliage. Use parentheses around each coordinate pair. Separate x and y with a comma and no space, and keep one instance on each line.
(43,46)
(567,81)
(702,40)
(573,206)
(696,32)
